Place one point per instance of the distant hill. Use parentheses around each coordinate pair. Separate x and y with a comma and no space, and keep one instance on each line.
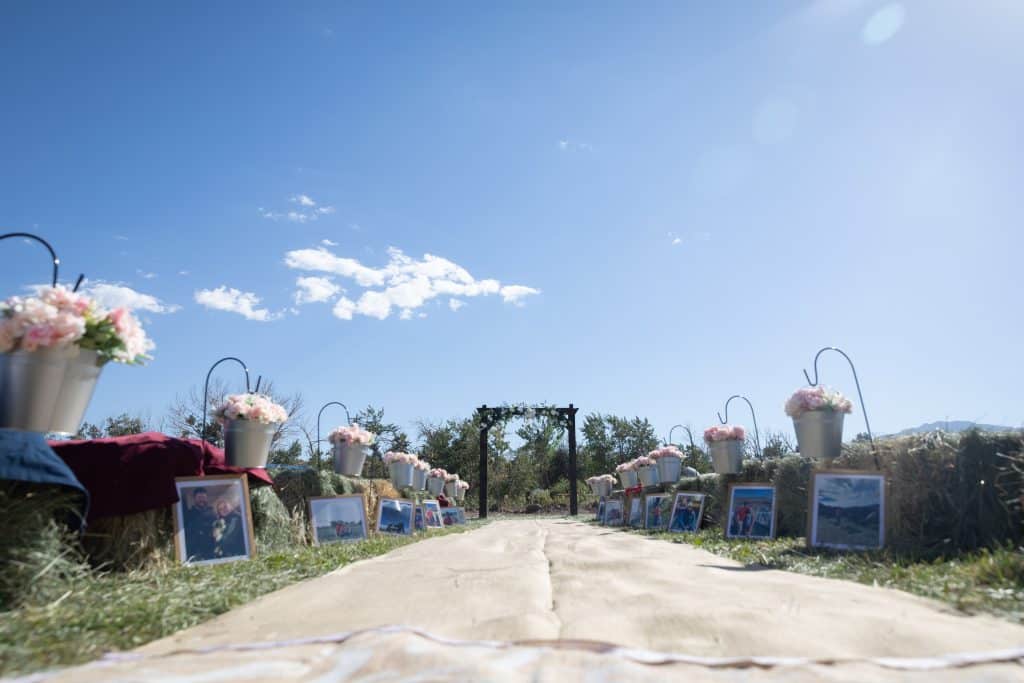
(954,426)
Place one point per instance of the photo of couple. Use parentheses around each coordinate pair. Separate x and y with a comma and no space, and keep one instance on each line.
(213,519)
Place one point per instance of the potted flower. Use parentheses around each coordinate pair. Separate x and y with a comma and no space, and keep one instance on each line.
(250,422)
(601,485)
(818,420)
(726,445)
(451,485)
(627,474)
(401,467)
(420,468)
(52,348)
(435,481)
(460,491)
(670,463)
(647,470)
(350,445)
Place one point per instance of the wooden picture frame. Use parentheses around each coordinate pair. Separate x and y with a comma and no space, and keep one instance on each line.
(609,506)
(687,523)
(450,516)
(828,532)
(656,520)
(339,526)
(401,521)
(736,523)
(228,538)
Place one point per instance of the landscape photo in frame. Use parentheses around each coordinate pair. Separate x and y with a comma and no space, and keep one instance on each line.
(657,508)
(612,513)
(213,519)
(395,516)
(687,511)
(847,510)
(751,511)
(336,519)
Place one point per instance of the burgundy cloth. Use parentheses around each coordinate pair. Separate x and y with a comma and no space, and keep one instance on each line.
(129,474)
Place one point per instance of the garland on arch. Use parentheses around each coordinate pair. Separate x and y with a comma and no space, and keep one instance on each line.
(492,415)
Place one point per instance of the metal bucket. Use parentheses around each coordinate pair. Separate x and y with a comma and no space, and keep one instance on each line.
(30,385)
(401,474)
(247,442)
(670,468)
(460,494)
(727,456)
(450,488)
(648,475)
(349,458)
(419,479)
(603,489)
(628,479)
(435,485)
(819,434)
(80,378)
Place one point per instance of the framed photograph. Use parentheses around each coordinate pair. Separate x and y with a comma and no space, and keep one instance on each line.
(636,511)
(432,515)
(751,511)
(450,516)
(213,519)
(600,510)
(396,516)
(418,522)
(612,513)
(337,518)
(687,511)
(657,507)
(462,515)
(847,510)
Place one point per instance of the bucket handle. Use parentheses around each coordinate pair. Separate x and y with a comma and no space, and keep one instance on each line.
(206,390)
(53,256)
(757,437)
(856,381)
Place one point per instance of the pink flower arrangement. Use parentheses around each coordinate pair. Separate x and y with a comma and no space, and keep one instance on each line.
(601,479)
(255,407)
(392,457)
(463,485)
(422,465)
(438,473)
(56,318)
(452,477)
(627,466)
(807,399)
(644,461)
(351,435)
(725,433)
(665,452)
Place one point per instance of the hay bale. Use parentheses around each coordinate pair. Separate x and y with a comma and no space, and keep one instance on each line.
(144,540)
(275,528)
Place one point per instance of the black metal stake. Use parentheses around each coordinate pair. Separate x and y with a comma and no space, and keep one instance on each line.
(53,255)
(757,438)
(348,419)
(206,390)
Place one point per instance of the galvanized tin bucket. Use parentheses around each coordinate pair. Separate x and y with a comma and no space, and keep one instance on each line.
(349,458)
(819,434)
(727,456)
(247,442)
(401,474)
(670,468)
(648,475)
(628,479)
(460,494)
(435,485)
(419,479)
(451,489)
(603,489)
(30,385)
(80,378)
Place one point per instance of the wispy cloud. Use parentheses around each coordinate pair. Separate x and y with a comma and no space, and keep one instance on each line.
(455,304)
(308,212)
(314,289)
(328,243)
(144,275)
(302,200)
(229,299)
(183,272)
(111,295)
(575,146)
(403,284)
(676,239)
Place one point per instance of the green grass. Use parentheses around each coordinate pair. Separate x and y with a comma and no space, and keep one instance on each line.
(982,582)
(101,612)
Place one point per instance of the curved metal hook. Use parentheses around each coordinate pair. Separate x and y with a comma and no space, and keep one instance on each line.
(53,254)
(856,381)
(206,389)
(757,436)
(675,427)
(322,408)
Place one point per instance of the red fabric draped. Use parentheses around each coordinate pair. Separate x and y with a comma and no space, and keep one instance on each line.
(129,474)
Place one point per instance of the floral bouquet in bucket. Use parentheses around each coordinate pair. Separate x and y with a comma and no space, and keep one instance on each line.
(451,486)
(726,445)
(400,466)
(601,485)
(250,422)
(53,346)
(626,473)
(420,469)
(670,463)
(460,489)
(647,470)
(436,479)
(818,414)
(350,445)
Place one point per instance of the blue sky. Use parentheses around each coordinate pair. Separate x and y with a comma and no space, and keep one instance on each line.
(689,199)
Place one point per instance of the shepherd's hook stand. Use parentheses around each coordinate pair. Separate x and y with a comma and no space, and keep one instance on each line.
(757,437)
(348,418)
(688,432)
(206,391)
(860,396)
(53,255)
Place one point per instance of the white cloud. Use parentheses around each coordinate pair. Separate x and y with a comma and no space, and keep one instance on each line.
(344,308)
(234,301)
(571,146)
(183,272)
(328,243)
(308,213)
(676,241)
(404,283)
(302,200)
(406,314)
(315,289)
(144,275)
(118,296)
(325,210)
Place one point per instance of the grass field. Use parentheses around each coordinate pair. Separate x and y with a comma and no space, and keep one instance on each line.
(101,612)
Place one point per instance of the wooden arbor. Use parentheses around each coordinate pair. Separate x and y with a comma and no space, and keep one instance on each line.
(492,416)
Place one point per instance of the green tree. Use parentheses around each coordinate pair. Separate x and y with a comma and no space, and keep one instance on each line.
(609,440)
(390,437)
(287,456)
(122,425)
